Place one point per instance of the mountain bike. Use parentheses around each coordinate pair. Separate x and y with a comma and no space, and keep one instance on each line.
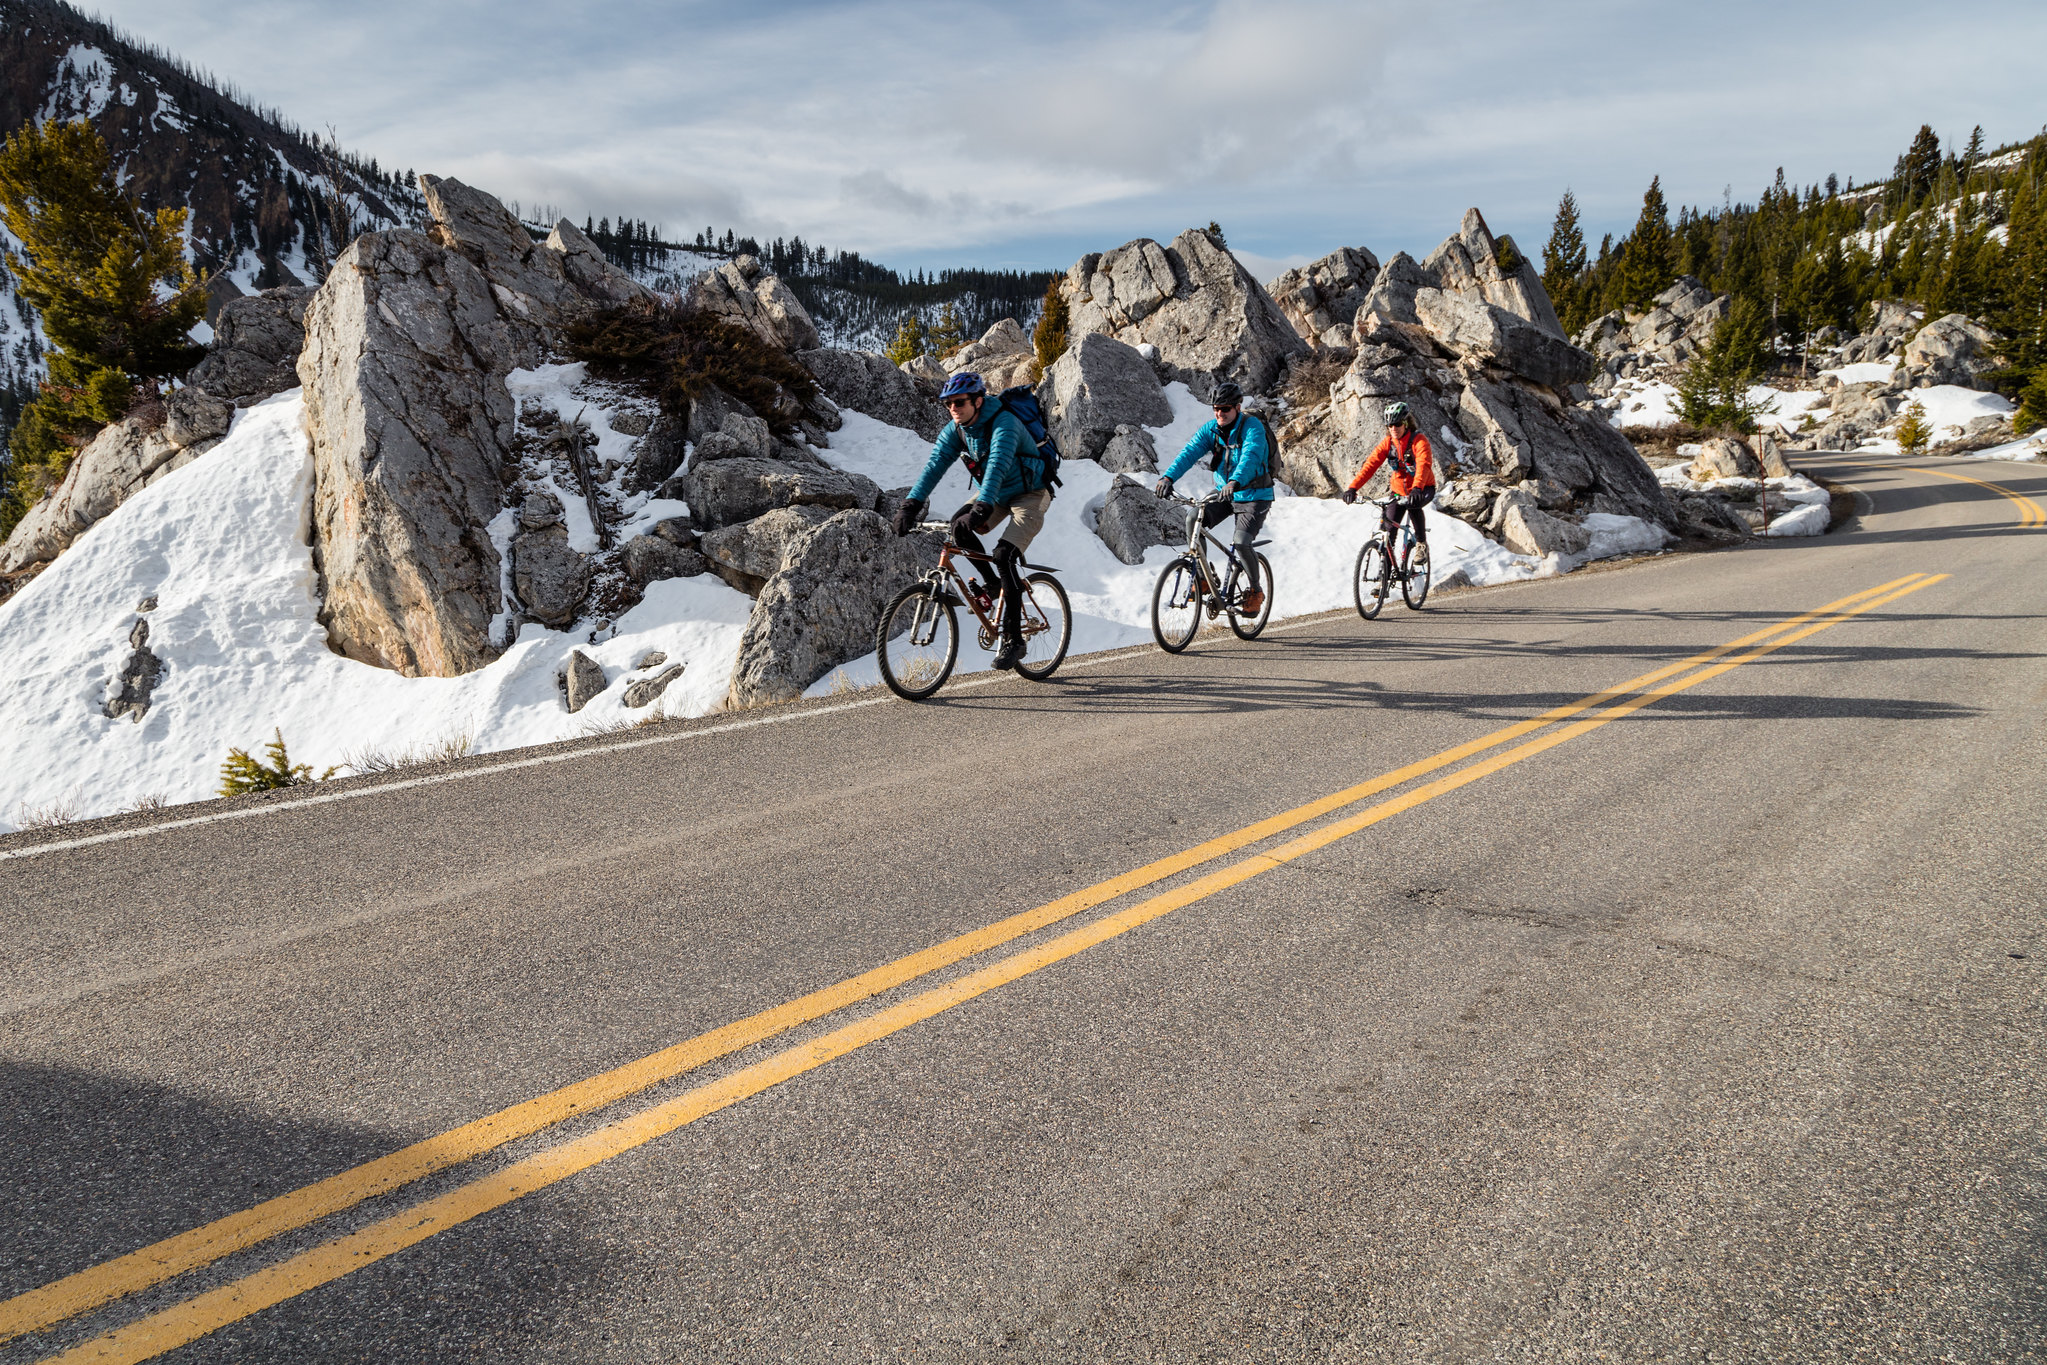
(917,640)
(1188,586)
(1380,566)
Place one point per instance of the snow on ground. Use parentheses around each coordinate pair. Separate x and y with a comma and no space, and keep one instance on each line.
(221,544)
(1864,372)
(2027,450)
(1811,505)
(1653,403)
(1950,407)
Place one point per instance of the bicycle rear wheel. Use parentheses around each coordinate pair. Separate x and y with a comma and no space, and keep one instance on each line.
(1368,585)
(1176,606)
(917,641)
(1247,627)
(1048,627)
(1414,587)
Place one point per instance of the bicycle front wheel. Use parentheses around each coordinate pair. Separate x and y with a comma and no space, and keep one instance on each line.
(1047,626)
(1368,585)
(1176,606)
(1414,588)
(917,641)
(1247,627)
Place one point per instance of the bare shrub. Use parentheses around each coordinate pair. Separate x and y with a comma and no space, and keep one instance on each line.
(52,816)
(455,744)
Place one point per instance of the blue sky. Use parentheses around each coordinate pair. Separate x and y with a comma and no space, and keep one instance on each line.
(1023,135)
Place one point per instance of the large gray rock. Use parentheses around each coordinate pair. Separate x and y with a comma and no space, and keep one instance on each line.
(1391,297)
(1471,328)
(866,382)
(550,578)
(1724,458)
(1098,385)
(725,492)
(1470,263)
(820,609)
(646,691)
(123,459)
(256,345)
(1133,519)
(1527,530)
(192,415)
(1955,349)
(1326,293)
(137,680)
(658,452)
(1193,300)
(748,554)
(743,292)
(651,559)
(582,679)
(585,266)
(1003,357)
(409,419)
(1131,450)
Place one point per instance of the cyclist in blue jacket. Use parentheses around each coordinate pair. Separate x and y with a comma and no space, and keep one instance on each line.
(1009,481)
(1242,451)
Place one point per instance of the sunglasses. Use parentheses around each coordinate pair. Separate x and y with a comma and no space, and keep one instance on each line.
(1231,408)
(956,403)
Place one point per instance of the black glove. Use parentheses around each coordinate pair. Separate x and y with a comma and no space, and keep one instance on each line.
(1229,490)
(972,518)
(1350,495)
(908,515)
(1164,488)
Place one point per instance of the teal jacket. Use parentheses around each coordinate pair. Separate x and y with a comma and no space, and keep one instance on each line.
(1246,456)
(1000,455)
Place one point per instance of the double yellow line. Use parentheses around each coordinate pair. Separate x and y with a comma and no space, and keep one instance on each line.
(212,1309)
(2031,514)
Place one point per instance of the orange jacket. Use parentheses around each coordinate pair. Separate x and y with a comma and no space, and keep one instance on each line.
(1413,467)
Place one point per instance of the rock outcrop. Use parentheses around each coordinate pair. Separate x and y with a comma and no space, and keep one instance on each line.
(819,608)
(866,382)
(1193,300)
(256,344)
(1004,357)
(1955,349)
(408,344)
(1133,519)
(724,492)
(745,293)
(1098,386)
(1322,299)
(1475,262)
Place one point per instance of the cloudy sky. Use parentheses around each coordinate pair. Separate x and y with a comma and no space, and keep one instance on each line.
(1024,134)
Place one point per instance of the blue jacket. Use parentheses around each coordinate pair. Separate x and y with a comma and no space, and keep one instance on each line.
(1000,454)
(1246,456)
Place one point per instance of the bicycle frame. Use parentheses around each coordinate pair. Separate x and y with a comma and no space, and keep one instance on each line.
(1199,538)
(948,579)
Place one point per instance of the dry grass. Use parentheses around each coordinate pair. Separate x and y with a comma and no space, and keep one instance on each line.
(1308,380)
(591,729)
(55,815)
(367,761)
(149,805)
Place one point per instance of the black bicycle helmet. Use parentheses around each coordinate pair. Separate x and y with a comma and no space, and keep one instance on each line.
(1227,395)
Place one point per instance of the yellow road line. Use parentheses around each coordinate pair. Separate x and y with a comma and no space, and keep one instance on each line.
(205,1313)
(153,1264)
(2030,512)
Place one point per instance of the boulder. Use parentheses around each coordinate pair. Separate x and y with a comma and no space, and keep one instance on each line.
(1768,456)
(645,691)
(1473,329)
(728,491)
(586,267)
(1476,264)
(1193,300)
(139,675)
(1131,450)
(1097,386)
(1326,293)
(1724,458)
(192,416)
(820,609)
(1133,519)
(123,459)
(550,578)
(582,679)
(650,559)
(256,343)
(1705,517)
(866,382)
(742,436)
(1527,530)
(1003,357)
(748,554)
(658,452)
(1954,349)
(743,292)
(1391,298)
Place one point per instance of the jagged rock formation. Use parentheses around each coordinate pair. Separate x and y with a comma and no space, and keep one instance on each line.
(1955,349)
(407,348)
(744,293)
(866,382)
(1098,387)
(1322,299)
(1003,357)
(139,675)
(1133,519)
(251,358)
(1193,301)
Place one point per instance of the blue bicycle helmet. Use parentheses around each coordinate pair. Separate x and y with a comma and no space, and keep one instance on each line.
(965,384)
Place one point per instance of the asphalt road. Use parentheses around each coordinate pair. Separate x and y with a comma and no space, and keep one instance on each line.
(1708,1028)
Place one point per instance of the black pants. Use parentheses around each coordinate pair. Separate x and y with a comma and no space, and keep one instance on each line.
(1001,577)
(1250,521)
(1410,506)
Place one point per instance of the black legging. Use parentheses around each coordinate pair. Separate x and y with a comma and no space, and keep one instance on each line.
(1001,577)
(1250,520)
(1411,505)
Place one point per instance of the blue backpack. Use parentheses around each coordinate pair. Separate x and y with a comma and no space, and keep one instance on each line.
(1023,402)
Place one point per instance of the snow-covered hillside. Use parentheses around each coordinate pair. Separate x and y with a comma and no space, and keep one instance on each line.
(220,547)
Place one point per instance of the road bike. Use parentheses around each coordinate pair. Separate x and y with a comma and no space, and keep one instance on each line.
(1188,587)
(1379,568)
(917,640)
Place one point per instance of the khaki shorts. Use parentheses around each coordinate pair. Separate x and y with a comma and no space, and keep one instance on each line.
(1026,517)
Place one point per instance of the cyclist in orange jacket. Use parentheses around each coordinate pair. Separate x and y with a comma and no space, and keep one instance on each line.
(1414,472)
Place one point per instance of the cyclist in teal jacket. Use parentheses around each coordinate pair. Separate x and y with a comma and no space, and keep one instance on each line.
(1009,481)
(1241,451)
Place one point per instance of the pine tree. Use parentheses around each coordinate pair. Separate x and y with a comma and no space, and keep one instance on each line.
(1050,338)
(241,774)
(1713,390)
(1918,168)
(90,262)
(911,339)
(949,335)
(1563,262)
(1914,432)
(1648,265)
